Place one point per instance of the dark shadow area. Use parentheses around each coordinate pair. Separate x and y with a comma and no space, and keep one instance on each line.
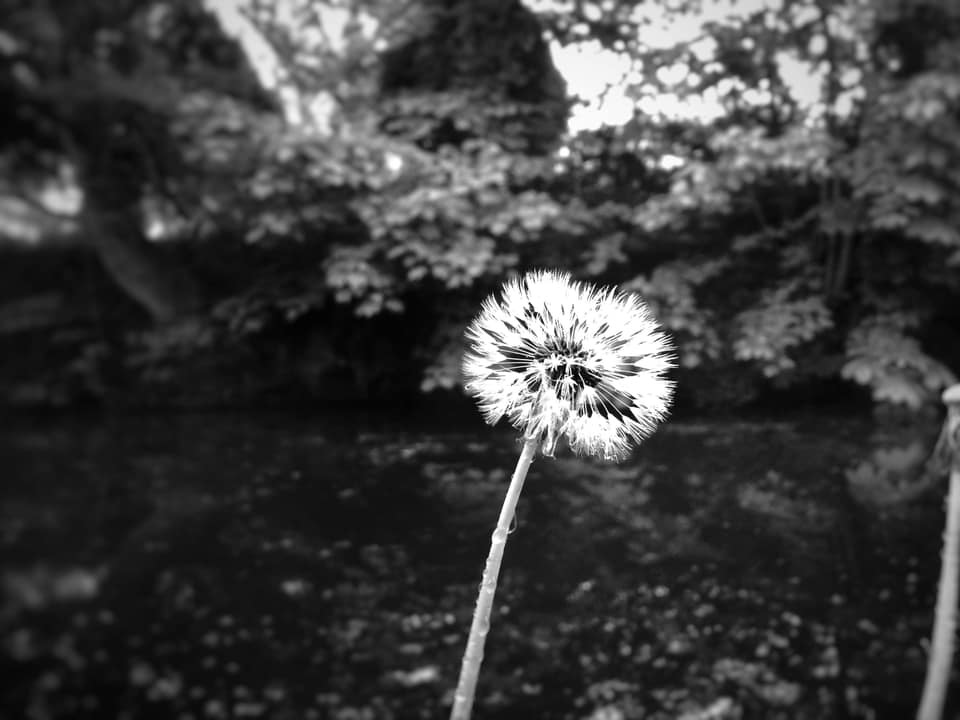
(271,566)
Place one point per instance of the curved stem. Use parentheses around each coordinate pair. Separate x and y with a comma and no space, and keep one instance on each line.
(473,654)
(941,643)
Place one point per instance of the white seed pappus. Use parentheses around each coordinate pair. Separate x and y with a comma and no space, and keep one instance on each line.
(560,358)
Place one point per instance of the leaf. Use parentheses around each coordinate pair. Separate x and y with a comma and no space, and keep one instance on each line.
(766,333)
(916,188)
(934,230)
(892,364)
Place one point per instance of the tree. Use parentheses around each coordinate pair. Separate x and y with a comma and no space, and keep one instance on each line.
(97,89)
(403,163)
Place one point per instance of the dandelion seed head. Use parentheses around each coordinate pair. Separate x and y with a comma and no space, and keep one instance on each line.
(559,358)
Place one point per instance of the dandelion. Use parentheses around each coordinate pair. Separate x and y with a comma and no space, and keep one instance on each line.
(560,360)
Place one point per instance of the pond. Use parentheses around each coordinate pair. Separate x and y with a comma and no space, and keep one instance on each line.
(272,566)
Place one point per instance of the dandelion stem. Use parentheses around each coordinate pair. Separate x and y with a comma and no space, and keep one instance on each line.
(473,654)
(945,617)
(941,643)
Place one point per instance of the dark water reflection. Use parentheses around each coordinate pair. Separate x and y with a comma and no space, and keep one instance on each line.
(248,566)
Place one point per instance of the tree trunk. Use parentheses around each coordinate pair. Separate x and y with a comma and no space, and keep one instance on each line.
(166,293)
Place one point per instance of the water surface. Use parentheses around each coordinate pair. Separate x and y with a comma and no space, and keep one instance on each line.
(268,566)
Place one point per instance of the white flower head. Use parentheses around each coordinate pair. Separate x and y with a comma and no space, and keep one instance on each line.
(562,358)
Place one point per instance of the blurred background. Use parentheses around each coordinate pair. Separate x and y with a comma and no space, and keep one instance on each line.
(240,241)
(235,203)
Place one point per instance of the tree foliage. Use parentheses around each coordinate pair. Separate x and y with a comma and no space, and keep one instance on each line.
(404,163)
